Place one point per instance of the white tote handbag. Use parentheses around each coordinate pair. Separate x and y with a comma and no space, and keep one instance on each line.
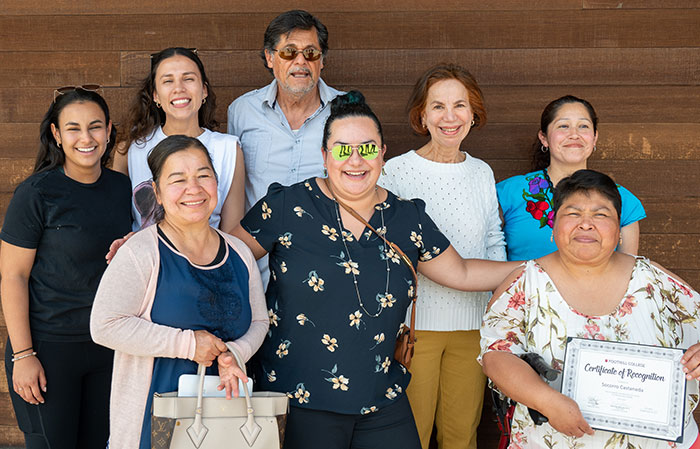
(255,421)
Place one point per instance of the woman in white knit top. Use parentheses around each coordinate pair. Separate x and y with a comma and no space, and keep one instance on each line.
(459,191)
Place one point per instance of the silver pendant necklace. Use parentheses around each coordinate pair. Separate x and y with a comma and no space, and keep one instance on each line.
(380,308)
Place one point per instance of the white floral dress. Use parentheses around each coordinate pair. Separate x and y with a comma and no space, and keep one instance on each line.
(532,316)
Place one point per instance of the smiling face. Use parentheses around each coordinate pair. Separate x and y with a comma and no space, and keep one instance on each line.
(447,114)
(587,228)
(355,177)
(179,88)
(570,136)
(82,134)
(298,76)
(186,187)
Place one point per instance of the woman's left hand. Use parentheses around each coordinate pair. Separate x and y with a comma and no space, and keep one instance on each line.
(229,373)
(691,362)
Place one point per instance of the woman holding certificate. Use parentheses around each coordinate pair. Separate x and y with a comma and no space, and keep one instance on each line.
(585,289)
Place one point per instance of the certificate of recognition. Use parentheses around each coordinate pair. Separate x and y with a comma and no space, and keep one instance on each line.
(627,388)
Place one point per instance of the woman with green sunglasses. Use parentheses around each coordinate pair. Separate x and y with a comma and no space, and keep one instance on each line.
(339,291)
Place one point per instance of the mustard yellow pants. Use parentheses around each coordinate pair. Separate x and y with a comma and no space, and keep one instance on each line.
(447,387)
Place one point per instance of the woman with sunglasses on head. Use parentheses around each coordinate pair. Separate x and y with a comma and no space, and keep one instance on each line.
(177,98)
(567,138)
(339,292)
(57,228)
(447,384)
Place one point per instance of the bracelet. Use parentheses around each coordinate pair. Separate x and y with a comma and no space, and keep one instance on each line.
(31,354)
(23,350)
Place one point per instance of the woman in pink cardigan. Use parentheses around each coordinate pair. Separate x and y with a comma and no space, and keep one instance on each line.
(174,293)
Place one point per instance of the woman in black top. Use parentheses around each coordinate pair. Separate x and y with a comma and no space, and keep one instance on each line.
(338,295)
(57,228)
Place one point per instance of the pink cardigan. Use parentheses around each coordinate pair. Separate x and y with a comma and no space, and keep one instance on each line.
(121,319)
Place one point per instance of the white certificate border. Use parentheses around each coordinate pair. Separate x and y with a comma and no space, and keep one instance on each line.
(670,432)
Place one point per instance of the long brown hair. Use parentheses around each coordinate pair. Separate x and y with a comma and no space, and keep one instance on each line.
(144,116)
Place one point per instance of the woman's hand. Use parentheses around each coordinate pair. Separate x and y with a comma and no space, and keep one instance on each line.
(229,373)
(691,362)
(565,416)
(116,245)
(207,347)
(29,380)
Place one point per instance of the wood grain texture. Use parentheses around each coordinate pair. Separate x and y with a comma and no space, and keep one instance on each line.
(55,69)
(504,104)
(97,7)
(533,67)
(673,251)
(10,435)
(397,29)
(645,4)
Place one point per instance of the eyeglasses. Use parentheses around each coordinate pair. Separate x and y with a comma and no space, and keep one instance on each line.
(290,53)
(367,151)
(65,89)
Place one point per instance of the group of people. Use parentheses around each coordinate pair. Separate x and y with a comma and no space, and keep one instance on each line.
(300,183)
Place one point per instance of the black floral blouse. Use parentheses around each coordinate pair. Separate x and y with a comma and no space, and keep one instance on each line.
(325,349)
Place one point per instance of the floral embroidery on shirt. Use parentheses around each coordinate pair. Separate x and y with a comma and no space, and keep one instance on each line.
(339,381)
(391,393)
(385,300)
(285,239)
(300,212)
(379,338)
(331,343)
(314,281)
(330,232)
(303,319)
(300,394)
(368,410)
(266,211)
(283,348)
(382,365)
(355,319)
(537,196)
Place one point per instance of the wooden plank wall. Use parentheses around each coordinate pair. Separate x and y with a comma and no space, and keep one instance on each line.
(637,61)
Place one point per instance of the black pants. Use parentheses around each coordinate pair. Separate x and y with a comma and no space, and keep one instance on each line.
(391,427)
(75,412)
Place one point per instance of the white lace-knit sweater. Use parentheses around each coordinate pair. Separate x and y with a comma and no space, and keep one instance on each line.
(461,199)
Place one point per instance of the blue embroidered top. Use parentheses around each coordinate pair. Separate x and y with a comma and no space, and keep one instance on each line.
(327,349)
(526,203)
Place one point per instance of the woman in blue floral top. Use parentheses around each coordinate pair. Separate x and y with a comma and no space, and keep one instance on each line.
(338,296)
(567,138)
(585,289)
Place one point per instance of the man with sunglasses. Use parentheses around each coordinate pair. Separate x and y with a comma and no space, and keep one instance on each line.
(280,125)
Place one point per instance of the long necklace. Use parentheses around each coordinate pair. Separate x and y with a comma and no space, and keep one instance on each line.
(347,251)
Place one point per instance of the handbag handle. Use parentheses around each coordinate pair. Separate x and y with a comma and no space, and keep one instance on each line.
(403,257)
(250,429)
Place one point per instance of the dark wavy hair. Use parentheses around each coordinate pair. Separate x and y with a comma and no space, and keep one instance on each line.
(541,159)
(50,154)
(587,181)
(144,116)
(440,72)
(352,104)
(287,22)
